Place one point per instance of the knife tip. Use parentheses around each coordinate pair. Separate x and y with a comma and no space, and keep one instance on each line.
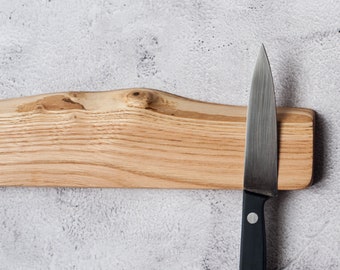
(262,56)
(263,50)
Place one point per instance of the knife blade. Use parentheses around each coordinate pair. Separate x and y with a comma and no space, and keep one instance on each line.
(260,171)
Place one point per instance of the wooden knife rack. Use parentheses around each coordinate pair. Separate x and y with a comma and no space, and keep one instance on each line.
(140,138)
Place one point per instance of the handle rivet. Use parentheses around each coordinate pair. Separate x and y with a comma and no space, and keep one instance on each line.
(252,218)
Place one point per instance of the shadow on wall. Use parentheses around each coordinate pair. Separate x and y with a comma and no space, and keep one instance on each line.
(275,230)
(319,157)
(288,98)
(275,207)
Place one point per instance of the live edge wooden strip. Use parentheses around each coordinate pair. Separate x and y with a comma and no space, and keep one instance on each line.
(140,138)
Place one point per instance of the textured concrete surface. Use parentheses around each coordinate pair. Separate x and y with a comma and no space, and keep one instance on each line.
(204,50)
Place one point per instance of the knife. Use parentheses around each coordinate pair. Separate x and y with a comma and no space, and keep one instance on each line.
(260,171)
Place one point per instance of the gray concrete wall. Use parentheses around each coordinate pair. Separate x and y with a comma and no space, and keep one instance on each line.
(204,50)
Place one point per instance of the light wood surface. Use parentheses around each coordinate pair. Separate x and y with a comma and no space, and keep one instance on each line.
(140,138)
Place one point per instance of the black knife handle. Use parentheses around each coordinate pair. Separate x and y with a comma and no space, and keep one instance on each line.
(253,235)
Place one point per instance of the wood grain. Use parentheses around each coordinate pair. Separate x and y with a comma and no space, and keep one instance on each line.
(140,138)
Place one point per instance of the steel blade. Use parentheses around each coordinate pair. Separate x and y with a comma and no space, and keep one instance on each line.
(260,172)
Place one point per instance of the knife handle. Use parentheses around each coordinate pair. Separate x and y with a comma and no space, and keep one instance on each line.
(253,235)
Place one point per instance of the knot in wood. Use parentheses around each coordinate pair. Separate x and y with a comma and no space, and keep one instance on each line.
(51,103)
(141,99)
